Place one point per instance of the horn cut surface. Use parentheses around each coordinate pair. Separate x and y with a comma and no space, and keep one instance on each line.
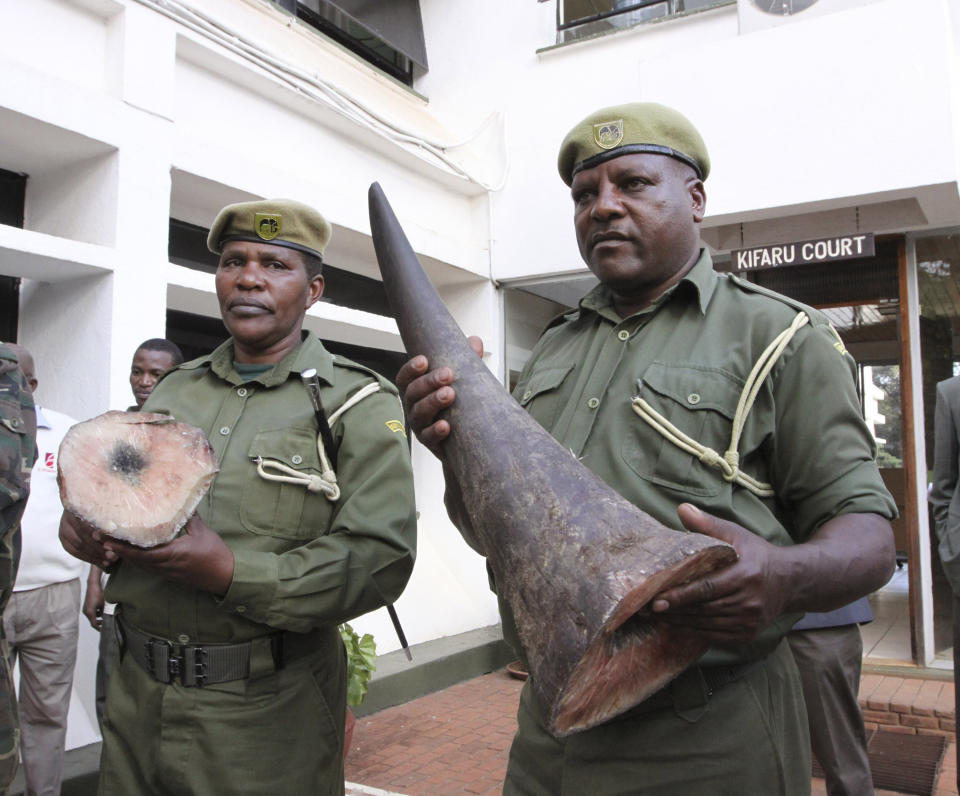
(577,563)
(136,476)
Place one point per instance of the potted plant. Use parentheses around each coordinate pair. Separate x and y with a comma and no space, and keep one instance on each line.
(361,663)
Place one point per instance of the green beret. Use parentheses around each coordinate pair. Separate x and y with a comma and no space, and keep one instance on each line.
(281,222)
(630,129)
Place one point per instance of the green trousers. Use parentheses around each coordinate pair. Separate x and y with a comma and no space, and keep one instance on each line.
(9,721)
(276,732)
(749,739)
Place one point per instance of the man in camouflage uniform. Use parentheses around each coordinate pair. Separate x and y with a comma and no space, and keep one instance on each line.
(18,430)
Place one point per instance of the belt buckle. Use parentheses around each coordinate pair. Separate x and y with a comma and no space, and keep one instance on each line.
(169,663)
(193,672)
(174,669)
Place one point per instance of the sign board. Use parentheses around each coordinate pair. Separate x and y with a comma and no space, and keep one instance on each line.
(841,247)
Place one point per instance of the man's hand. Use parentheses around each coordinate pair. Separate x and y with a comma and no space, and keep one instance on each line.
(93,601)
(733,604)
(847,557)
(198,558)
(84,541)
(426,393)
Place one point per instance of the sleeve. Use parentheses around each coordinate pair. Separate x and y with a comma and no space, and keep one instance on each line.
(824,456)
(366,558)
(18,451)
(945,458)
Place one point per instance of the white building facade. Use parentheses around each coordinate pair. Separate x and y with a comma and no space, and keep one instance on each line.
(125,125)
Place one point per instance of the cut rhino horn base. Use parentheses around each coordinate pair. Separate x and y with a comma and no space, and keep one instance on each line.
(576,562)
(136,476)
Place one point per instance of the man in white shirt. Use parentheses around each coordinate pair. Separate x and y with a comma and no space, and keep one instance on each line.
(41,621)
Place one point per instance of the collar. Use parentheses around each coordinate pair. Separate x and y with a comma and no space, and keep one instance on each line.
(701,278)
(309,354)
(42,421)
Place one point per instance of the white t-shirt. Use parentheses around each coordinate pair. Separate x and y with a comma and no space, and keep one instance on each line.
(43,560)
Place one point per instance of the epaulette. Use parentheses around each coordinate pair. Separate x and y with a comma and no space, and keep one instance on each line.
(343,362)
(191,364)
(817,318)
(8,353)
(564,317)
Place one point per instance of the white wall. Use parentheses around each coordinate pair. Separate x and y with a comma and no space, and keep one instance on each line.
(856,102)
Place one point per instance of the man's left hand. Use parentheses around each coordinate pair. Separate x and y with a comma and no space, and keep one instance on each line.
(730,605)
(198,558)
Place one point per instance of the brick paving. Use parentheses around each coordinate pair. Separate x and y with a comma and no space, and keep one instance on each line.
(451,742)
(456,741)
(908,705)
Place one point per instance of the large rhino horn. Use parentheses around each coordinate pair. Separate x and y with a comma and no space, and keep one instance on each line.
(577,563)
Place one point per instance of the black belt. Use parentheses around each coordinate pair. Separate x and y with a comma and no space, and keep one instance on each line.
(205,664)
(692,688)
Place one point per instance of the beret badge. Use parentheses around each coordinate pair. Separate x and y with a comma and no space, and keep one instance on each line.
(268,225)
(608,134)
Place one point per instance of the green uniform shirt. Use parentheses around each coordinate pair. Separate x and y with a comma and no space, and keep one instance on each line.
(301,561)
(688,355)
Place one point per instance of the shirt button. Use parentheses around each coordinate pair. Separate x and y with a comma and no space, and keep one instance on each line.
(242,392)
(693,398)
(16,422)
(623,334)
(296,459)
(225,430)
(183,638)
(241,609)
(528,395)
(593,403)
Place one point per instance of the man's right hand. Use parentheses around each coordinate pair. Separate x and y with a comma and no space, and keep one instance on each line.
(93,601)
(426,393)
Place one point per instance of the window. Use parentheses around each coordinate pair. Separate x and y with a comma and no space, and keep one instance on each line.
(13,191)
(577,19)
(388,35)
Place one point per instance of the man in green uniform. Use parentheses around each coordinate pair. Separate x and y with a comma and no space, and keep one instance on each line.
(643,383)
(18,451)
(233,677)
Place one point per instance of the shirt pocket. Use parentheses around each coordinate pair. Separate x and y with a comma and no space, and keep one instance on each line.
(538,392)
(700,402)
(280,509)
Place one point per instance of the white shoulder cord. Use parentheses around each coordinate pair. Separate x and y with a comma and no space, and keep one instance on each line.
(326,482)
(729,463)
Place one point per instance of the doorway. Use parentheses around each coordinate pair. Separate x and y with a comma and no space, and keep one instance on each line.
(862,299)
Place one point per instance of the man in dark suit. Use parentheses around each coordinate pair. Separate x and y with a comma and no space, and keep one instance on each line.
(945,499)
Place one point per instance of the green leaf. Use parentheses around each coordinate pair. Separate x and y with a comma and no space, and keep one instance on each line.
(361,662)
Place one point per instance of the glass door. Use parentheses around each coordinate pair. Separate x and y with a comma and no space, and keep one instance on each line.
(938,282)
